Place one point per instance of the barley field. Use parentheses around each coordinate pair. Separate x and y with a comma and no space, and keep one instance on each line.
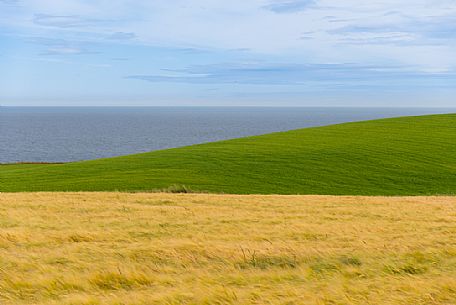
(144,248)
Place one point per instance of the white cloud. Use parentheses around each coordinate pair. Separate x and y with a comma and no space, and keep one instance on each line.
(391,28)
(289,6)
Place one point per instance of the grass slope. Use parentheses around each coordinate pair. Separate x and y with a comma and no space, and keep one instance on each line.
(399,156)
(118,248)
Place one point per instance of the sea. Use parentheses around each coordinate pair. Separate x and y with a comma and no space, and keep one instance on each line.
(65,134)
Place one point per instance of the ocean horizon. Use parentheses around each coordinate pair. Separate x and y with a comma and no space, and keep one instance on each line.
(66,134)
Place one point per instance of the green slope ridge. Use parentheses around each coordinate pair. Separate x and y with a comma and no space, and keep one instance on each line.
(399,156)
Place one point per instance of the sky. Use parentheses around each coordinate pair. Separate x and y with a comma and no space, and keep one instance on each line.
(378,53)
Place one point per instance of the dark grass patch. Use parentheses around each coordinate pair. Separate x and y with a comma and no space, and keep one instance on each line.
(117,281)
(350,261)
(252,259)
(407,268)
(321,266)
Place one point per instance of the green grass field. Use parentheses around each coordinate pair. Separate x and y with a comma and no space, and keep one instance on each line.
(399,156)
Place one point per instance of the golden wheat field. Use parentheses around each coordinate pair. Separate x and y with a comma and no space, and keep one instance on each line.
(118,248)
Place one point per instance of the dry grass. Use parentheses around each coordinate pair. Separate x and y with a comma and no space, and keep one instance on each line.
(116,248)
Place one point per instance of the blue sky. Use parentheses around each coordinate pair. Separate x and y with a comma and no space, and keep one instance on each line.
(236,53)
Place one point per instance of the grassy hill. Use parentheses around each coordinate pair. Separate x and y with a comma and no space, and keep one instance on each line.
(399,156)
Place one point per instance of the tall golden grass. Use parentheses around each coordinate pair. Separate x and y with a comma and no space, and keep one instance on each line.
(117,248)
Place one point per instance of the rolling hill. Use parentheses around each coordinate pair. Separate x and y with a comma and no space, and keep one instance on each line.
(398,156)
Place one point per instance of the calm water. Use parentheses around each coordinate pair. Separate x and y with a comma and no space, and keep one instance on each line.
(69,134)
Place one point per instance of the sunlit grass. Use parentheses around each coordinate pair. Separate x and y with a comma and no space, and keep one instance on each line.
(117,248)
(399,156)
